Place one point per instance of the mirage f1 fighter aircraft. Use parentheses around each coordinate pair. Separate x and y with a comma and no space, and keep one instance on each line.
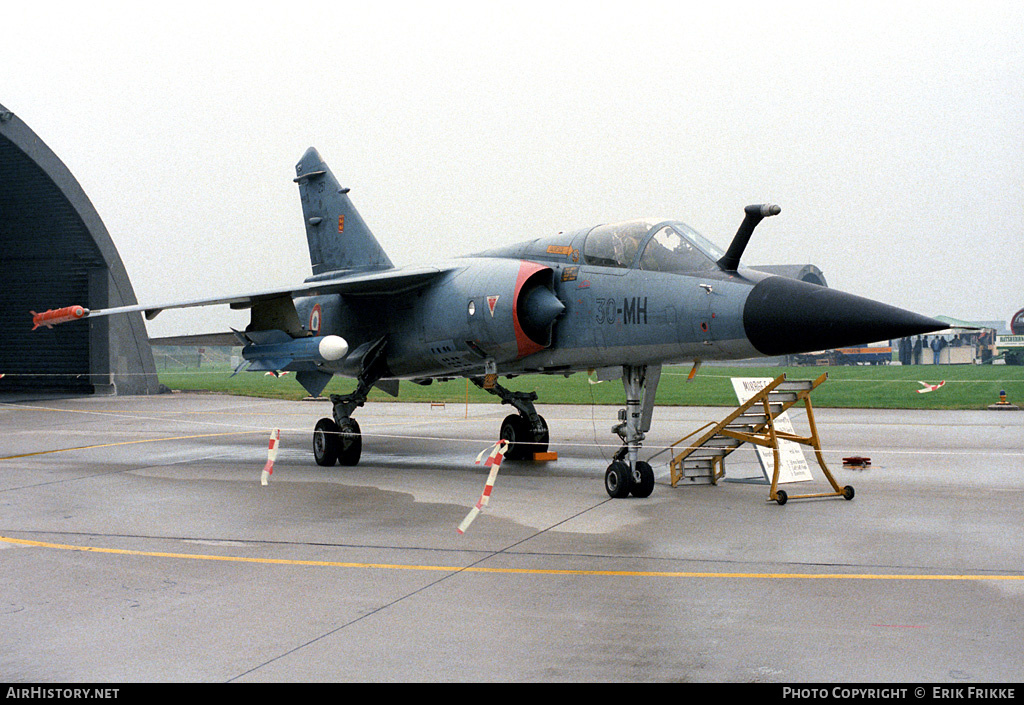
(623,299)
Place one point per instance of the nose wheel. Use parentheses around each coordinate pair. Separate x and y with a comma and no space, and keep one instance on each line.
(620,481)
(643,480)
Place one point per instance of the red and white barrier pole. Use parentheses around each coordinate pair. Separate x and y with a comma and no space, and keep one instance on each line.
(268,469)
(497,454)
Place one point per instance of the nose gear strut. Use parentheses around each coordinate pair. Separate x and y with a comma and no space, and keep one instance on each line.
(627,473)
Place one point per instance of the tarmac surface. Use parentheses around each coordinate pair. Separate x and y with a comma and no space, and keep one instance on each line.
(137,543)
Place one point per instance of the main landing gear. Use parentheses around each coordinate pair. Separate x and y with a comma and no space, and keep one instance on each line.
(338,439)
(627,474)
(335,442)
(527,431)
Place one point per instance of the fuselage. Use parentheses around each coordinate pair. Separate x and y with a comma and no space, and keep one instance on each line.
(642,292)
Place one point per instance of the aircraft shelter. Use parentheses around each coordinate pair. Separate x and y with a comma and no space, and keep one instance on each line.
(54,252)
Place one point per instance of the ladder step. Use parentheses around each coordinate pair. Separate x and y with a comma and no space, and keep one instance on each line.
(696,472)
(753,412)
(723,442)
(748,419)
(708,451)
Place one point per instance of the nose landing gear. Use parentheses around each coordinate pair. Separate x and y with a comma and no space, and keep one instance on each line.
(628,474)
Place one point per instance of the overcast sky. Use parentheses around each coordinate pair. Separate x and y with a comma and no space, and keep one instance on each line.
(891,133)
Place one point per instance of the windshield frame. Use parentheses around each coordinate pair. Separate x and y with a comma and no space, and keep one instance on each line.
(700,254)
(618,245)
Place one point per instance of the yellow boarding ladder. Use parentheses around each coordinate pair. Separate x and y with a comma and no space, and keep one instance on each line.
(754,422)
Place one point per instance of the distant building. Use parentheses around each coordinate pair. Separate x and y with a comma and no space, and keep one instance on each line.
(55,252)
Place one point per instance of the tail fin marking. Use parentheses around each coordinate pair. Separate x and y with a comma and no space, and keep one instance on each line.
(338,237)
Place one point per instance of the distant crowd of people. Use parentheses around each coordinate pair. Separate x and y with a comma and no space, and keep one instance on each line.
(915,351)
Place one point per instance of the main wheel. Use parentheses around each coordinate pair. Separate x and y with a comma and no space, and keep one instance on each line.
(643,480)
(618,479)
(351,443)
(848,492)
(326,442)
(540,440)
(781,497)
(517,432)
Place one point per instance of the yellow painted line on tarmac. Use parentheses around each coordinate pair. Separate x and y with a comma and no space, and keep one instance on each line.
(506,571)
(128,443)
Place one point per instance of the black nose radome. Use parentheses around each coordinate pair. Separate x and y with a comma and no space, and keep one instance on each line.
(785,316)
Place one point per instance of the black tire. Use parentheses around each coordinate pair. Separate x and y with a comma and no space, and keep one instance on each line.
(540,440)
(517,432)
(848,492)
(645,485)
(350,446)
(618,480)
(781,497)
(326,442)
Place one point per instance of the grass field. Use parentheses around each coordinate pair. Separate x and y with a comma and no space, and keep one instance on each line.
(884,387)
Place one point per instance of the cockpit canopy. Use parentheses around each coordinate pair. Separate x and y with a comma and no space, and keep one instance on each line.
(652,245)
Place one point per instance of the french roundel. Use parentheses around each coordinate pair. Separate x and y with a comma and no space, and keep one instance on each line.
(314,319)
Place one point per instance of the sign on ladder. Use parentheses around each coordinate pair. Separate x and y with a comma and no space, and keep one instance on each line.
(793,466)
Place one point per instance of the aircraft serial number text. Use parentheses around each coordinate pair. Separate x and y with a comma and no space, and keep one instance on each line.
(632,310)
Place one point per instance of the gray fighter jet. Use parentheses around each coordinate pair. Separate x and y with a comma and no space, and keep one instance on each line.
(622,299)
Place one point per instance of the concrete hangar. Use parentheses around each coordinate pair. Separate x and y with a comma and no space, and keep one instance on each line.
(55,251)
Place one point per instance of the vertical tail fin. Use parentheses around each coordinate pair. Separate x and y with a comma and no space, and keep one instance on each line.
(338,237)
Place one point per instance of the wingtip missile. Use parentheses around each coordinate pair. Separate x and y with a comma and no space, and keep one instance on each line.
(49,319)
